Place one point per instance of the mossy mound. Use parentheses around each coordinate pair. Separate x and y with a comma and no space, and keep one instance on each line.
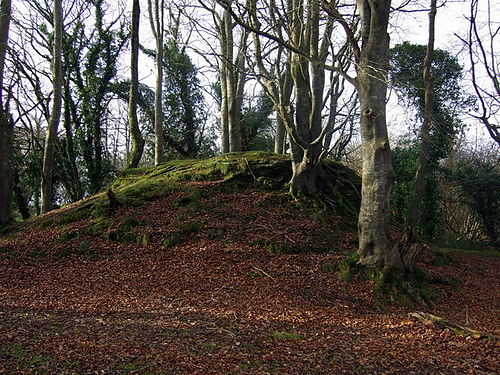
(340,186)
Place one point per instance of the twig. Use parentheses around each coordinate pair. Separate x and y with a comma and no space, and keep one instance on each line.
(250,168)
(264,272)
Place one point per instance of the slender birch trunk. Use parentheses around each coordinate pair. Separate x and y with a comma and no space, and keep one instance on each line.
(55,116)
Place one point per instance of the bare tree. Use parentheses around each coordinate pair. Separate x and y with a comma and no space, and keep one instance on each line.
(372,61)
(156,12)
(5,124)
(482,43)
(135,133)
(55,116)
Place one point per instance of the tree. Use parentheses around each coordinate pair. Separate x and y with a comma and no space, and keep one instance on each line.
(5,123)
(55,115)
(156,17)
(305,57)
(372,62)
(428,115)
(440,120)
(135,133)
(482,46)
(183,102)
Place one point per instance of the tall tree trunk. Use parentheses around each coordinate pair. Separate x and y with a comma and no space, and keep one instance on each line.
(224,120)
(157,27)
(51,136)
(135,133)
(422,167)
(377,176)
(5,125)
(233,77)
(309,81)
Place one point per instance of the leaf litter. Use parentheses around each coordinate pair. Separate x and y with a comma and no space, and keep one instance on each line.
(250,288)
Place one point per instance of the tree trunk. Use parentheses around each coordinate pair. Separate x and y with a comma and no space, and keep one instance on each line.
(422,167)
(22,204)
(279,138)
(135,133)
(51,136)
(377,176)
(5,125)
(235,76)
(157,26)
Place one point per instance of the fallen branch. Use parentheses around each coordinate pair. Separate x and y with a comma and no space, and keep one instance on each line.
(455,328)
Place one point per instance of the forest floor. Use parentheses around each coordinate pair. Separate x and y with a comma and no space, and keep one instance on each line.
(229,283)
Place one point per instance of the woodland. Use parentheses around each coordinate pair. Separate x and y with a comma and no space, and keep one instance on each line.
(249,187)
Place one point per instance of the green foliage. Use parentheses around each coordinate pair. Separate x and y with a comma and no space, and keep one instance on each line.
(405,159)
(479,180)
(349,267)
(256,127)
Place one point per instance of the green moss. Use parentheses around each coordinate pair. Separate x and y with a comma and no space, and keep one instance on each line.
(286,336)
(172,240)
(349,267)
(68,234)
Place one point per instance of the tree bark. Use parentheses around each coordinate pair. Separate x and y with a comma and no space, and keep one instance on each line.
(422,167)
(51,136)
(157,27)
(377,175)
(233,77)
(135,133)
(5,125)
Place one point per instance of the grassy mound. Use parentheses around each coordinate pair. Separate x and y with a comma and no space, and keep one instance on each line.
(230,172)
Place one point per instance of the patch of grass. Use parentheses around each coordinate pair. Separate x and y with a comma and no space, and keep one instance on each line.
(67,235)
(8,251)
(37,254)
(36,362)
(46,223)
(328,267)
(192,199)
(282,335)
(63,253)
(443,258)
(190,229)
(172,240)
(128,366)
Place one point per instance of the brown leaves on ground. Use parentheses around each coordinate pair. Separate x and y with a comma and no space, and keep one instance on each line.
(248,287)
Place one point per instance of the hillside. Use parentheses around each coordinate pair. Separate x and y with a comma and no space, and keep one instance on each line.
(209,267)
